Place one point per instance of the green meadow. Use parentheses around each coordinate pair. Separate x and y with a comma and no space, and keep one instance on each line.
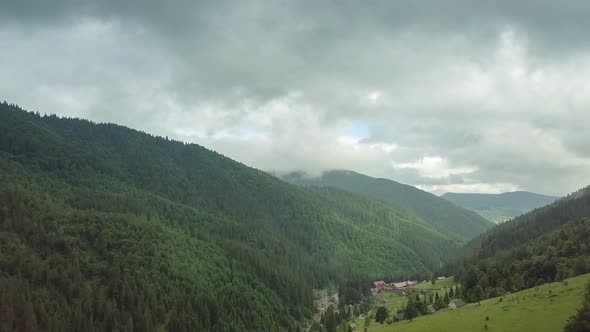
(439,285)
(544,308)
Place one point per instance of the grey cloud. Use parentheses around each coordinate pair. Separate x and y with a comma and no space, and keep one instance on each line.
(273,83)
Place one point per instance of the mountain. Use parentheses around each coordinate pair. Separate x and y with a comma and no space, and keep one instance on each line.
(103,227)
(545,245)
(570,209)
(500,207)
(457,221)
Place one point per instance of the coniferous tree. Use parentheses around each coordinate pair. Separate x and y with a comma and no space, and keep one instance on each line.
(411,311)
(381,314)
(581,320)
(331,323)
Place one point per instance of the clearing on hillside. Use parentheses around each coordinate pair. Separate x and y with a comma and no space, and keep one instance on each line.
(544,308)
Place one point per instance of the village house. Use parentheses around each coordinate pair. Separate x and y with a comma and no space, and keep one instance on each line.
(456,303)
(380,285)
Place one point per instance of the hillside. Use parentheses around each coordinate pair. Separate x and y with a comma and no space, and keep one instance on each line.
(454,220)
(540,221)
(545,245)
(432,245)
(105,226)
(500,207)
(546,308)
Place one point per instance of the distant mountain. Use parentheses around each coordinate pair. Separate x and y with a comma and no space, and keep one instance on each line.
(545,245)
(107,228)
(500,207)
(452,219)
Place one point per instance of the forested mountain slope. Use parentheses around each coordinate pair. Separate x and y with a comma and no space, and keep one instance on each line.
(500,207)
(457,221)
(103,226)
(432,245)
(570,209)
(548,244)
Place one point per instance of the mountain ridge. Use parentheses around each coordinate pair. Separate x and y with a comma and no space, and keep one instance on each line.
(454,220)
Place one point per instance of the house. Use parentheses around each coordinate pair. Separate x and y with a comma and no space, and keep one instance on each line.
(400,285)
(404,284)
(456,303)
(379,284)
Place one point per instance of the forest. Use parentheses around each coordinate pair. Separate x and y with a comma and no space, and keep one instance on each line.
(548,244)
(461,223)
(108,228)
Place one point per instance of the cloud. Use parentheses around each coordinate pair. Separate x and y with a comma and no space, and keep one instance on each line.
(454,95)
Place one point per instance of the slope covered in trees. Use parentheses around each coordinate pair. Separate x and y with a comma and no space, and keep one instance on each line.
(572,208)
(105,226)
(452,219)
(548,244)
(500,207)
(432,245)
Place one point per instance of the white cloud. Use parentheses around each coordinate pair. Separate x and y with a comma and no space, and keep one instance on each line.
(435,167)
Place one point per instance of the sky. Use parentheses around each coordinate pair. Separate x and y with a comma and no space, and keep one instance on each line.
(462,96)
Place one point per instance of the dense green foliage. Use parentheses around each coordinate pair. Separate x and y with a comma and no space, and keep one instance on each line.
(529,226)
(381,314)
(500,207)
(104,227)
(546,245)
(581,321)
(379,217)
(453,220)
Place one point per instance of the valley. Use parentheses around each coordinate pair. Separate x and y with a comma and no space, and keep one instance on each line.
(106,226)
(499,208)
(294,166)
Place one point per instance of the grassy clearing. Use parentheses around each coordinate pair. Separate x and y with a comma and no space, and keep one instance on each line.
(391,300)
(439,285)
(545,308)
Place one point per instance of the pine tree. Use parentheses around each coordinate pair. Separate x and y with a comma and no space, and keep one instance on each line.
(476,294)
(331,323)
(381,315)
(411,311)
(581,321)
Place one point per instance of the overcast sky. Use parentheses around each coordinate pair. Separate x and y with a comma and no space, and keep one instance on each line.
(466,96)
